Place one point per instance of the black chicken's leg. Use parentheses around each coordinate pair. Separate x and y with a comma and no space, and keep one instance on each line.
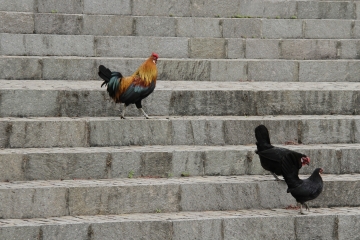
(307,207)
(276,177)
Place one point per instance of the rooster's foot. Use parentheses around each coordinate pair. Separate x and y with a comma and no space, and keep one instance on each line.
(144,113)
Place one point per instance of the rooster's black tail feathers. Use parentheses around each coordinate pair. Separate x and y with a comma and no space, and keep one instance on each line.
(105,74)
(111,80)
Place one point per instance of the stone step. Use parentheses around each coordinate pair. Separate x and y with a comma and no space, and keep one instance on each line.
(86,68)
(89,24)
(198,130)
(179,98)
(326,223)
(176,47)
(36,199)
(161,161)
(185,8)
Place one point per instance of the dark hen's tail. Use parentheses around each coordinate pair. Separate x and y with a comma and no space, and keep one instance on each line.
(262,138)
(111,79)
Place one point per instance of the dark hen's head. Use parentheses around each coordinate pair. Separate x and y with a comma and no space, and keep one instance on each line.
(305,160)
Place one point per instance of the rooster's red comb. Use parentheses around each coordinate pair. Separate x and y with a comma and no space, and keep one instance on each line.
(155,55)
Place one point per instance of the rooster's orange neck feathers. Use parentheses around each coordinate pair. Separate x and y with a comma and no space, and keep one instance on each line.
(147,72)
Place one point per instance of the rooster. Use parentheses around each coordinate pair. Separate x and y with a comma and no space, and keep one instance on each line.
(134,88)
(302,190)
(272,158)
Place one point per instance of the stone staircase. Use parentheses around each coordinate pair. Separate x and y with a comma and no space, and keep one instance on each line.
(70,168)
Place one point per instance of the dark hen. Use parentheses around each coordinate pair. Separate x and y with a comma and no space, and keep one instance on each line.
(302,190)
(271,157)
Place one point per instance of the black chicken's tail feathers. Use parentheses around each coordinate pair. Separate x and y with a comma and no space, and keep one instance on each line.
(262,134)
(106,74)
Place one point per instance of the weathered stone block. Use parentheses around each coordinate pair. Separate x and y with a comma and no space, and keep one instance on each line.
(325,227)
(151,229)
(207,48)
(324,71)
(273,70)
(225,163)
(308,49)
(48,133)
(118,7)
(337,29)
(17,5)
(214,8)
(108,25)
(219,196)
(161,8)
(326,10)
(60,68)
(123,199)
(16,22)
(66,166)
(242,28)
(141,47)
(22,232)
(228,71)
(54,6)
(12,167)
(187,162)
(75,231)
(199,27)
(48,23)
(205,229)
(155,26)
(348,226)
(350,49)
(32,202)
(282,28)
(133,132)
(257,227)
(184,69)
(272,9)
(20,68)
(236,48)
(16,44)
(262,49)
(335,130)
(12,103)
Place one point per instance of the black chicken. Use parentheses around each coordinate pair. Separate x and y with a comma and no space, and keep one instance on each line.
(302,190)
(271,157)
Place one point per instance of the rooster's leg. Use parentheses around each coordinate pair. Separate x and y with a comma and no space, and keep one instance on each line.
(123,112)
(139,106)
(144,113)
(275,176)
